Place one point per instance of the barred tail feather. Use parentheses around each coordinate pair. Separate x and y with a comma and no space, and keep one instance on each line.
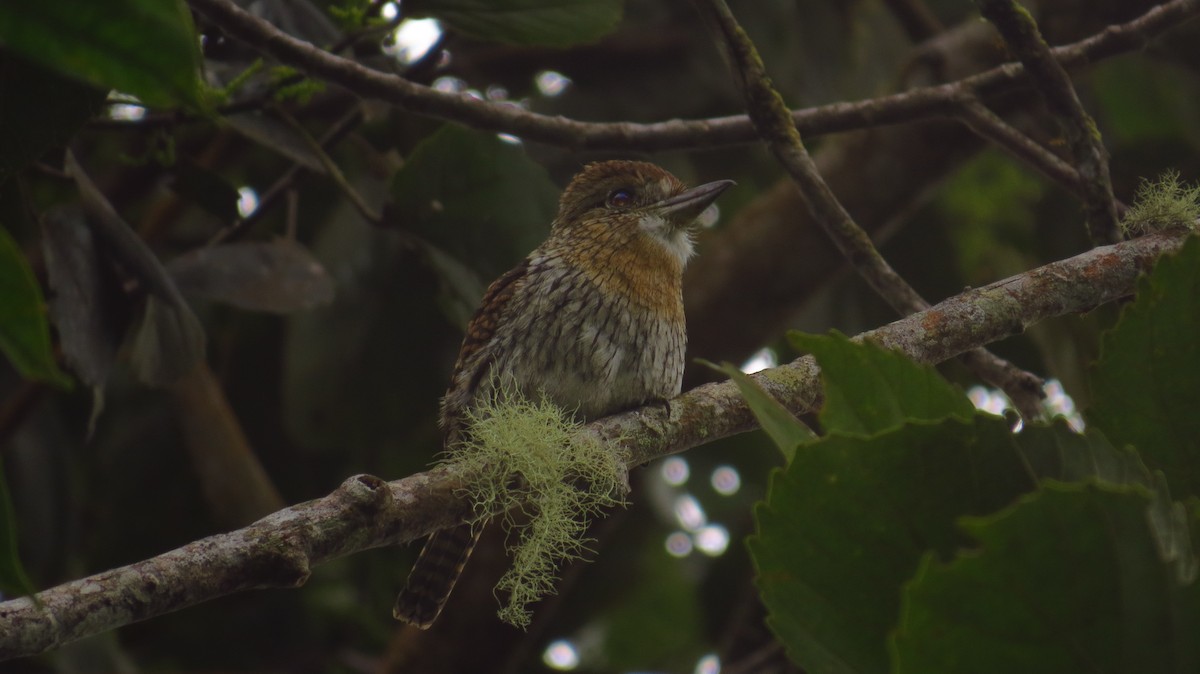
(434,575)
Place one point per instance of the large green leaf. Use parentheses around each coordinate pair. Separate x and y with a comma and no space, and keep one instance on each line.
(1144,386)
(24,332)
(148,48)
(476,197)
(1068,580)
(848,521)
(554,23)
(870,389)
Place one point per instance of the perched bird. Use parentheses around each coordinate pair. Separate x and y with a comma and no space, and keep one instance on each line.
(592,319)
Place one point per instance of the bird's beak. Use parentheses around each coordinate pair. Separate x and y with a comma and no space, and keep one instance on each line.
(683,208)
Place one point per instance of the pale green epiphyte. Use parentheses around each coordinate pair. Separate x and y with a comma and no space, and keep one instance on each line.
(1163,204)
(530,457)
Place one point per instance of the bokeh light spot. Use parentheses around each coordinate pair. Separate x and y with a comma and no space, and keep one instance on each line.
(561,655)
(712,540)
(675,471)
(679,544)
(689,513)
(247,200)
(550,83)
(726,480)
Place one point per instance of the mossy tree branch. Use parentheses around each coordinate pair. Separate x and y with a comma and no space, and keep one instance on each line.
(366,512)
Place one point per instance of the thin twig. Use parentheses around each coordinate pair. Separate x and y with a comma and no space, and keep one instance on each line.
(1021,33)
(270,198)
(335,172)
(366,513)
(774,123)
(674,134)
(988,125)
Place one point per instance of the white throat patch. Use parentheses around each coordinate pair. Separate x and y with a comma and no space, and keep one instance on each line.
(677,242)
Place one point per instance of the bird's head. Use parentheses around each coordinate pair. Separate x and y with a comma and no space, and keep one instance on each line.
(632,202)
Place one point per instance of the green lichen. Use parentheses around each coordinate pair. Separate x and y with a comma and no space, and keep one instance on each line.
(1163,204)
(529,457)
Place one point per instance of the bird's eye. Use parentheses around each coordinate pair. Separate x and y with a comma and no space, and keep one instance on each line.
(620,198)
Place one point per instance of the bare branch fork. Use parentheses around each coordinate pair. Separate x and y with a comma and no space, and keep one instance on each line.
(1050,78)
(774,122)
(676,134)
(366,512)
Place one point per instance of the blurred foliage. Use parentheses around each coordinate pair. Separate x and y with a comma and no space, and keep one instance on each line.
(329,338)
(146,48)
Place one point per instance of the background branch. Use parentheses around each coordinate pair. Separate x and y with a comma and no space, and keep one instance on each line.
(674,134)
(1020,31)
(770,116)
(746,286)
(365,512)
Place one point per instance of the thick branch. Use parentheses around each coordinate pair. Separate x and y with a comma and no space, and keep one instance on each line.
(674,134)
(365,512)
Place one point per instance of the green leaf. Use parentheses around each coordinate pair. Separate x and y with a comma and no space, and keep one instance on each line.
(1144,385)
(847,522)
(48,112)
(785,430)
(1068,580)
(479,199)
(147,48)
(24,332)
(869,389)
(13,579)
(550,23)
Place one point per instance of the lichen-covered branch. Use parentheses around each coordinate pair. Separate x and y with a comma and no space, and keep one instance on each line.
(365,512)
(1021,33)
(921,103)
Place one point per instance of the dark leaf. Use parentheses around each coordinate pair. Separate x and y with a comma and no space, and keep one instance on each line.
(461,289)
(84,308)
(475,197)
(147,48)
(48,111)
(168,343)
(120,238)
(1144,386)
(555,23)
(207,189)
(279,276)
(24,332)
(169,339)
(1068,580)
